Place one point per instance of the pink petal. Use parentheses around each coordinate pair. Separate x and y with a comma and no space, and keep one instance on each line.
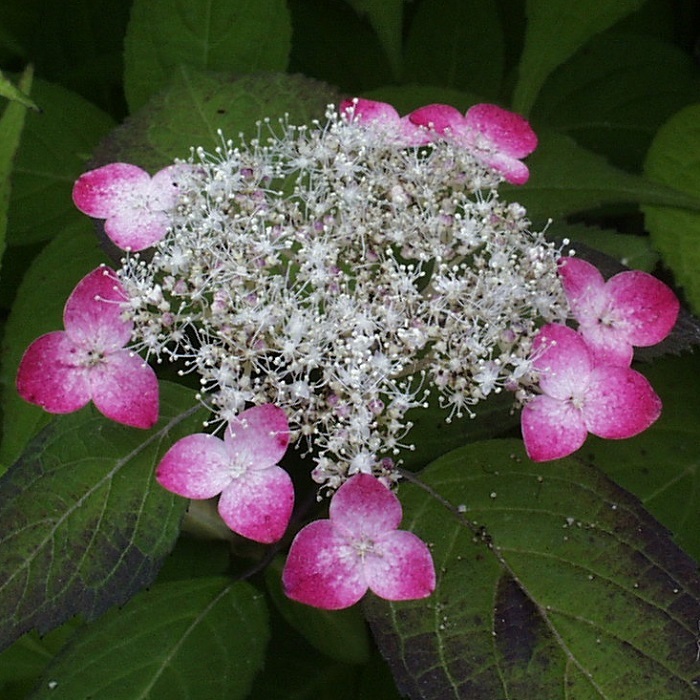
(512,169)
(166,186)
(103,192)
(197,466)
(619,403)
(584,287)
(92,316)
(551,428)
(608,343)
(562,360)
(322,569)
(509,133)
(648,307)
(370,111)
(401,568)
(48,375)
(258,437)
(125,389)
(438,117)
(363,506)
(135,229)
(258,504)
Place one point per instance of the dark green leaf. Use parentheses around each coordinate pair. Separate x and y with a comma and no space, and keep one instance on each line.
(339,634)
(38,309)
(556,29)
(613,97)
(198,638)
(662,465)
(457,44)
(674,160)
(386,18)
(83,523)
(215,35)
(566,178)
(197,105)
(15,94)
(55,148)
(11,126)
(553,583)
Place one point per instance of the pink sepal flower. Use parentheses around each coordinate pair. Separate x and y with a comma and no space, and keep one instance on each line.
(63,370)
(386,119)
(631,308)
(333,562)
(494,135)
(134,205)
(580,397)
(257,496)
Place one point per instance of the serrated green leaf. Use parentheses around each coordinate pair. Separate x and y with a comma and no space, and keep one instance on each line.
(16,94)
(555,30)
(386,18)
(674,160)
(457,44)
(198,638)
(38,309)
(216,35)
(613,97)
(662,465)
(197,105)
(11,127)
(566,178)
(83,524)
(340,634)
(55,149)
(554,583)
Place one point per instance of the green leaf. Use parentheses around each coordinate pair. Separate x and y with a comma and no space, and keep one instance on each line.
(340,634)
(613,97)
(553,583)
(55,149)
(236,36)
(386,18)
(15,94)
(11,126)
(662,465)
(83,523)
(555,30)
(198,638)
(566,178)
(457,44)
(38,309)
(197,105)
(674,160)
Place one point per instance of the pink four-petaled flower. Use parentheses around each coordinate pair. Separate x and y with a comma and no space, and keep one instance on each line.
(63,370)
(494,135)
(580,396)
(257,495)
(135,205)
(333,562)
(631,308)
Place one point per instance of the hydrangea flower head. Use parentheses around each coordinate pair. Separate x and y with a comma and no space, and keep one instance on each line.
(631,308)
(333,562)
(257,495)
(580,396)
(63,370)
(133,204)
(498,137)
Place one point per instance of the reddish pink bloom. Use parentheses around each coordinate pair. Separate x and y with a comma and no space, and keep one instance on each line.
(257,496)
(134,205)
(494,135)
(333,562)
(631,308)
(580,397)
(63,370)
(387,120)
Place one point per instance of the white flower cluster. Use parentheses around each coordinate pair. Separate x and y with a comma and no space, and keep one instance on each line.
(345,279)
